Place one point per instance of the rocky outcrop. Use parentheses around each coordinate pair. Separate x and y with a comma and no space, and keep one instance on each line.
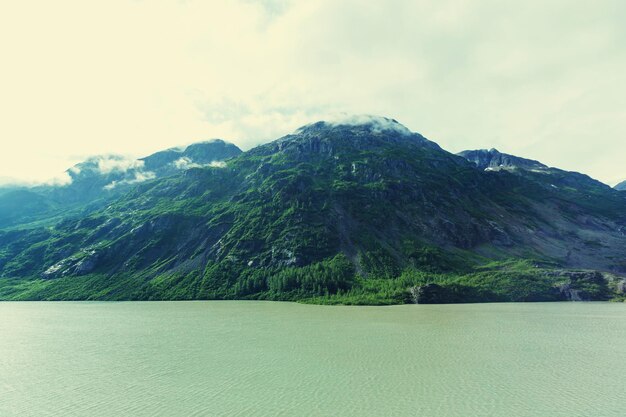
(82,264)
(431,294)
(569,293)
(494,159)
(582,285)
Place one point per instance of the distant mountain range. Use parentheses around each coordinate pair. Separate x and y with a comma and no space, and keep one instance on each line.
(348,212)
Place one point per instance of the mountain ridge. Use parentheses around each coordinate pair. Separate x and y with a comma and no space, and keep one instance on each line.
(494,159)
(102,177)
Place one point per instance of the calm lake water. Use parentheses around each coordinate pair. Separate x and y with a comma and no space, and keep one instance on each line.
(284,359)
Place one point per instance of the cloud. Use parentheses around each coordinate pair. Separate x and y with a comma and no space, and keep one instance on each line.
(59,180)
(10,182)
(75,170)
(143,176)
(217,164)
(185,162)
(115,163)
(379,124)
(139,177)
(539,79)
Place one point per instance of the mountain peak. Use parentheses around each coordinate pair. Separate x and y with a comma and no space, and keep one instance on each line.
(492,159)
(346,134)
(369,123)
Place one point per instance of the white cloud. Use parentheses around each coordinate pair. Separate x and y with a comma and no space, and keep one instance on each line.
(139,177)
(184,163)
(10,182)
(143,176)
(115,163)
(540,79)
(217,164)
(59,180)
(380,124)
(112,185)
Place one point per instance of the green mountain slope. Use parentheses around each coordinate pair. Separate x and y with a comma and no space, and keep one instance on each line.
(352,213)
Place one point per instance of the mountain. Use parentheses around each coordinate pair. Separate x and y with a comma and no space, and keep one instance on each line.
(494,160)
(196,155)
(15,203)
(101,175)
(337,212)
(621,186)
(97,180)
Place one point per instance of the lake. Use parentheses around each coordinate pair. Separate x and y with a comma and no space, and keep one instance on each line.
(230,358)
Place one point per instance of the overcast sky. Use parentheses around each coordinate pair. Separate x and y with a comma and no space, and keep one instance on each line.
(540,79)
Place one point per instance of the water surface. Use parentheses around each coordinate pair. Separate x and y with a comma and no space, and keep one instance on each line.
(284,359)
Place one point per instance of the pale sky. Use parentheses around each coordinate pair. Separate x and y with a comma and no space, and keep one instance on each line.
(539,79)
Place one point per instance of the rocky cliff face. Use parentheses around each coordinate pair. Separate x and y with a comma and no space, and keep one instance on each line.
(494,160)
(547,177)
